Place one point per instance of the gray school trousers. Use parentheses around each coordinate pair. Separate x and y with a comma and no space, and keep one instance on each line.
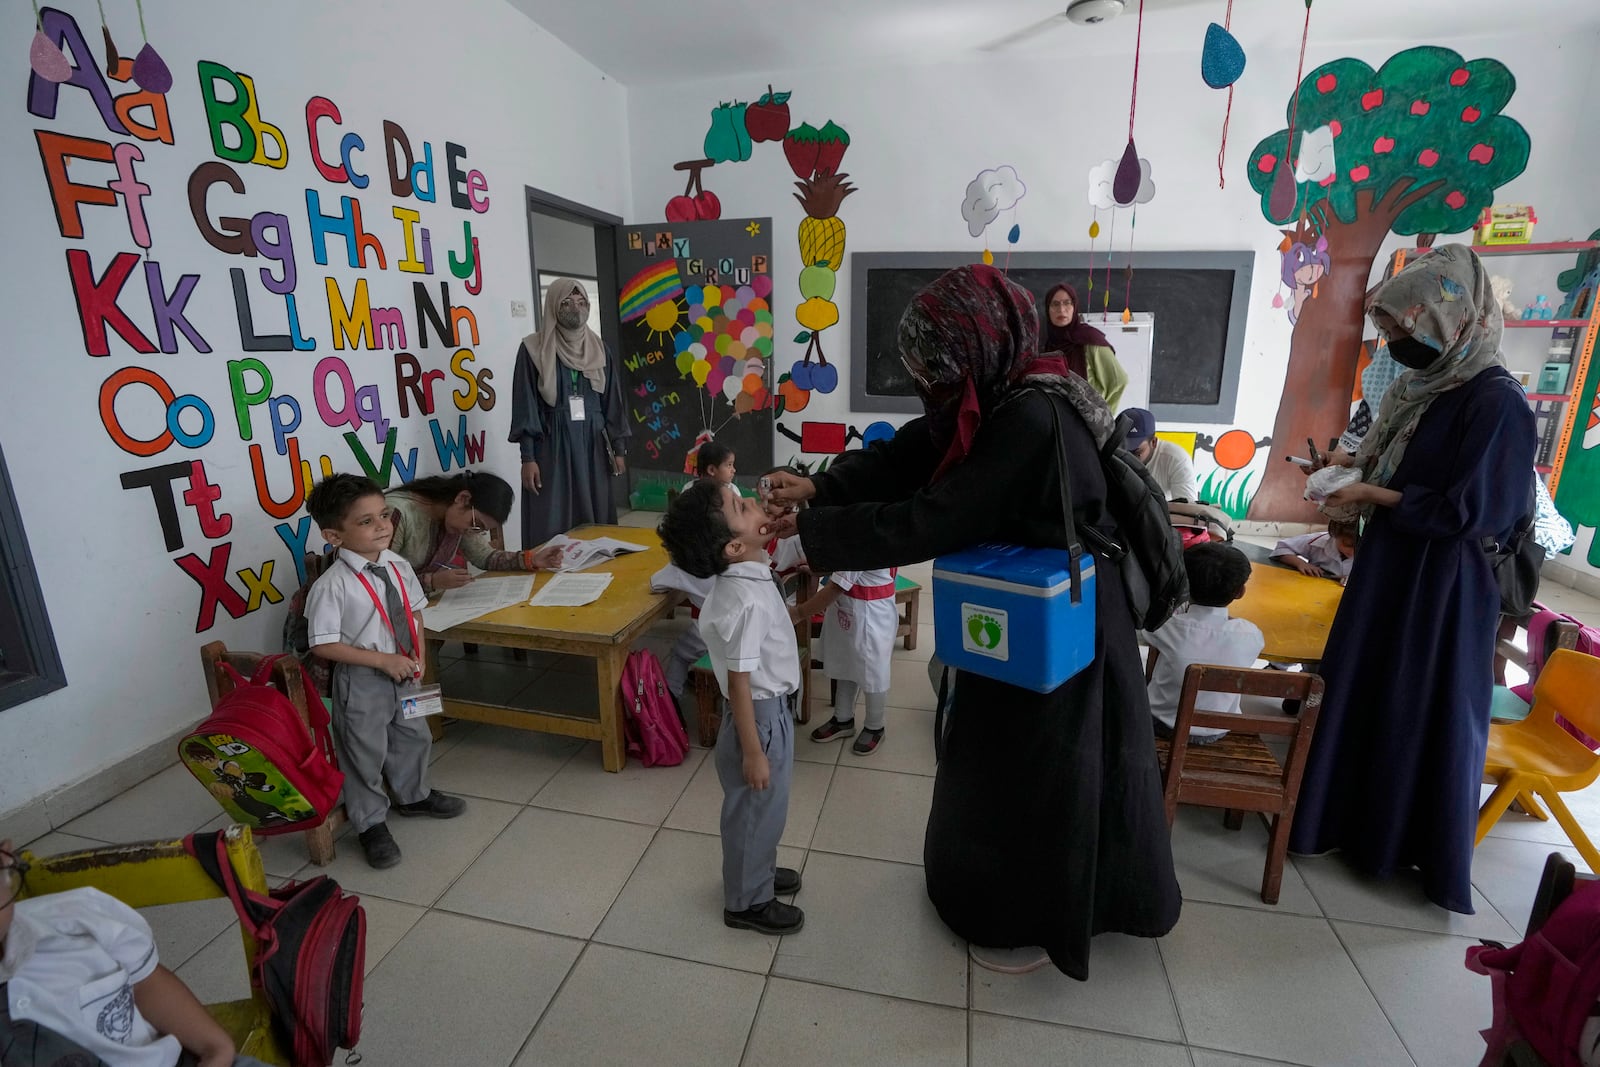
(752,821)
(374,741)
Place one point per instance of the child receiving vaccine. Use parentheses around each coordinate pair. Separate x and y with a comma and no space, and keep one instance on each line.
(712,533)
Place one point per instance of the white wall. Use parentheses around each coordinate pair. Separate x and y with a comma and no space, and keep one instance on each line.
(475,72)
(919,135)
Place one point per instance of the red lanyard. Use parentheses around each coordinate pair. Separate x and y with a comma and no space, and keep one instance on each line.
(383,612)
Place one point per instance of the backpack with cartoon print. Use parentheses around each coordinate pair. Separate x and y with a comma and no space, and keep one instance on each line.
(268,767)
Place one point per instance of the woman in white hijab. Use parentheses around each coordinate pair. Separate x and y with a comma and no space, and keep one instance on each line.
(568,419)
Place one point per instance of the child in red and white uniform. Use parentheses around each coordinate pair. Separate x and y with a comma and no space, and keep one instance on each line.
(858,632)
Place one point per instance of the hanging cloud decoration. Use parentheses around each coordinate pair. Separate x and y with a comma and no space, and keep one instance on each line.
(1316,156)
(990,193)
(1103,176)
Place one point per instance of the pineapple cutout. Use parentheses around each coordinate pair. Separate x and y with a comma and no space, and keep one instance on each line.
(814,155)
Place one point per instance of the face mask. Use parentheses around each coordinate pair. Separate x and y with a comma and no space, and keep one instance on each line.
(1412,353)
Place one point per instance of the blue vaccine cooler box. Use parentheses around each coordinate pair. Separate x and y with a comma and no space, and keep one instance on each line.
(1008,613)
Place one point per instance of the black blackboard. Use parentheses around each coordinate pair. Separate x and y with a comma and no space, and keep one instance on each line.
(668,407)
(1199,300)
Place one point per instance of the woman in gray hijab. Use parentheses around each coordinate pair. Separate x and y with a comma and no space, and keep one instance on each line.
(568,418)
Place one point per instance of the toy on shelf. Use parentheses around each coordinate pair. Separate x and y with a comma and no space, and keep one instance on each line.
(1501,287)
(1506,224)
(1539,309)
(1580,301)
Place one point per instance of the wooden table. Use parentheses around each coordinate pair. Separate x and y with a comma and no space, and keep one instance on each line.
(1293,610)
(602,631)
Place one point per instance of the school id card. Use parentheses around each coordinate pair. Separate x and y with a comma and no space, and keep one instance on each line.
(417,701)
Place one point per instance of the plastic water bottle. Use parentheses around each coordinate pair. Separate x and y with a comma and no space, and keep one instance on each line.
(1542,309)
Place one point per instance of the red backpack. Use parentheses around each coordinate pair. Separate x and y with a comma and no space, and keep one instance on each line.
(656,737)
(1545,988)
(255,755)
(313,953)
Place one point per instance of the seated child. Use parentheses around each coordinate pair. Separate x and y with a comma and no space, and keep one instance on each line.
(1321,555)
(858,632)
(709,532)
(690,646)
(714,461)
(364,615)
(1203,633)
(80,974)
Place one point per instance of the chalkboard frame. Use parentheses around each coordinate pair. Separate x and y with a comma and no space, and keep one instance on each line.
(1241,262)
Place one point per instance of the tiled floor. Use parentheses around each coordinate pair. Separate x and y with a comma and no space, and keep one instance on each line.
(572,917)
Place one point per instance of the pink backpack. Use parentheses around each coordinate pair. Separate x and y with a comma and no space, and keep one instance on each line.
(1545,988)
(1540,642)
(656,737)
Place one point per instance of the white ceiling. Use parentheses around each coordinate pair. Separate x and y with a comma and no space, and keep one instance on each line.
(652,42)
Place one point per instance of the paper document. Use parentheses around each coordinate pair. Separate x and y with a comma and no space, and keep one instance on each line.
(580,555)
(476,599)
(571,590)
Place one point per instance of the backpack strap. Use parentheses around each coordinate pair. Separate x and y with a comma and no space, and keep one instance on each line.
(316,710)
(1497,962)
(255,912)
(1074,545)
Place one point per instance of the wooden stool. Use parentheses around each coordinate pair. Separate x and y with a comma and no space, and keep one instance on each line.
(708,699)
(908,594)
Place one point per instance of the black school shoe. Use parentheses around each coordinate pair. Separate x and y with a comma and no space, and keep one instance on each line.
(785,880)
(773,917)
(380,847)
(436,804)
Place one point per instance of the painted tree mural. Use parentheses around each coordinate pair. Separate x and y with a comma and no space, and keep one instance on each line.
(1578,491)
(1418,147)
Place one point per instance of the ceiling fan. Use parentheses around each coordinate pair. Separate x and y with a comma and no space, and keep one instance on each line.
(1081,13)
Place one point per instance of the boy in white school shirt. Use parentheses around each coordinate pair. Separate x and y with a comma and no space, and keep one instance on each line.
(1321,555)
(80,975)
(710,531)
(365,616)
(1203,633)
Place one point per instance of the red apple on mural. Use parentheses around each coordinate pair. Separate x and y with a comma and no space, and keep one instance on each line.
(681,209)
(706,207)
(1372,100)
(1481,153)
(768,118)
(1327,83)
(1382,145)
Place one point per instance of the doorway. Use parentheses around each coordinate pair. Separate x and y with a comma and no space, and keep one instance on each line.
(571,240)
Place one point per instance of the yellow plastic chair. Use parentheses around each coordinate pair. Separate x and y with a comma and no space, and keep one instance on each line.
(1537,756)
(161,872)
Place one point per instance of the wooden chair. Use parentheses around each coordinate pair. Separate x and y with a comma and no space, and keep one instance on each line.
(161,872)
(286,679)
(1240,773)
(1538,756)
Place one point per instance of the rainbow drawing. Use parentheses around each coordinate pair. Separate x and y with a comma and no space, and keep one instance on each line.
(650,287)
